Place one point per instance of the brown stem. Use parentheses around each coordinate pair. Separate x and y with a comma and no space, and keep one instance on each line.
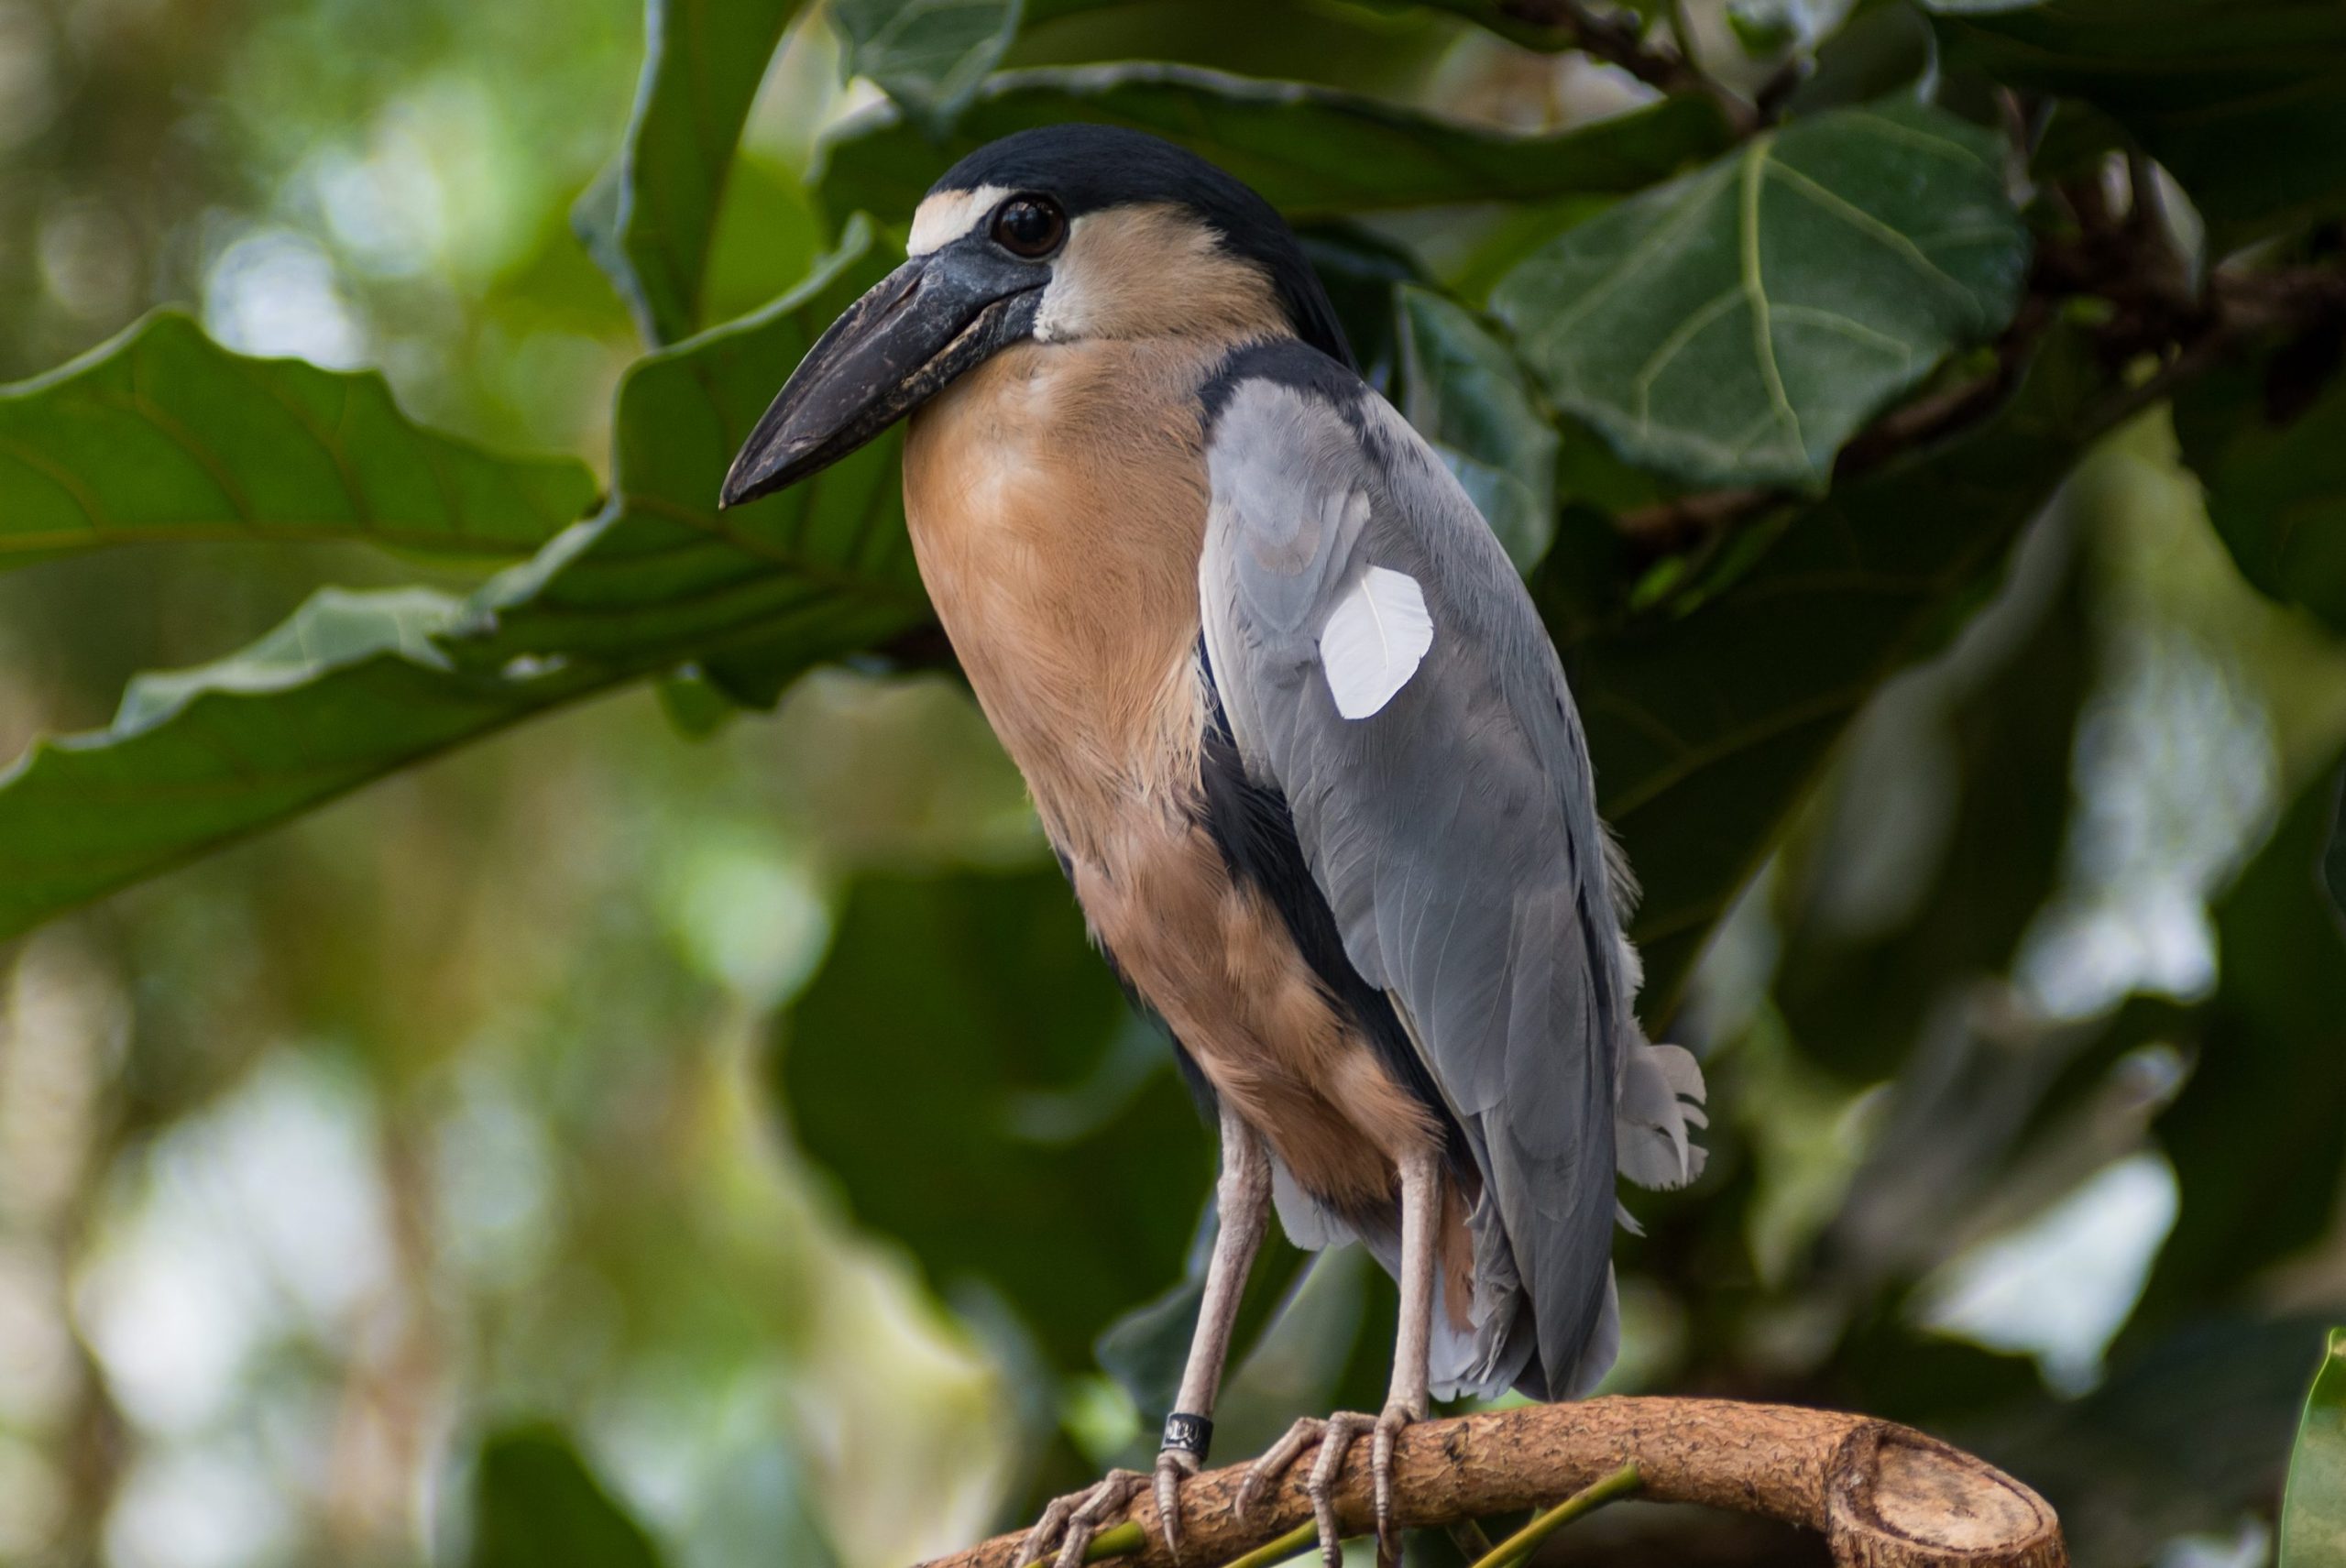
(1883,1495)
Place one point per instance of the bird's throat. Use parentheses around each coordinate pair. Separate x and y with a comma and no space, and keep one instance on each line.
(1056,500)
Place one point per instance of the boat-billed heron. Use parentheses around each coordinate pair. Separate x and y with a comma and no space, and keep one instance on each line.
(1300,741)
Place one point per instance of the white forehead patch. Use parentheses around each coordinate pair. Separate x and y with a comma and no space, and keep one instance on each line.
(945,217)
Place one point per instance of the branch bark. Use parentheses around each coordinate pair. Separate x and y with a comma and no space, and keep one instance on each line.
(1882,1494)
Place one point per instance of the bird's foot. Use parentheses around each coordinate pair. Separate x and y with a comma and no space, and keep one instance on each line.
(1066,1527)
(1334,1437)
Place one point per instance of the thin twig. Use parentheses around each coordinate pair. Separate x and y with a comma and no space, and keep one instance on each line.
(1587,1500)
(1294,1543)
(1115,1542)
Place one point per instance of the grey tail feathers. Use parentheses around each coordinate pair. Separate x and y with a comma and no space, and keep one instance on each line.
(1658,1096)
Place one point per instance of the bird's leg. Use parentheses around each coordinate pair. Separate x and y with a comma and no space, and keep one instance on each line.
(1243,1208)
(1407,1400)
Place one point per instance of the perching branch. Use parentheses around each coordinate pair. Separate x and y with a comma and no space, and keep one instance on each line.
(1882,1494)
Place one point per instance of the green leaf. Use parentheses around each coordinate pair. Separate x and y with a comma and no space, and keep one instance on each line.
(966,1065)
(652,218)
(1363,275)
(694,704)
(2276,487)
(1736,327)
(1879,50)
(769,236)
(353,686)
(1310,151)
(2313,1511)
(357,685)
(1710,715)
(2238,98)
(928,56)
(536,1505)
(1465,394)
(164,435)
(664,575)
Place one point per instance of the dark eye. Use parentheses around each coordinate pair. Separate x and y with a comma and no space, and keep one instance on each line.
(1030,227)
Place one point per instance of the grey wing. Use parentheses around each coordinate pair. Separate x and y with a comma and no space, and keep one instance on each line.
(1449,823)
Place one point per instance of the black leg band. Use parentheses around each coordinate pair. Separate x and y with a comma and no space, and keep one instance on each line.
(1190,1434)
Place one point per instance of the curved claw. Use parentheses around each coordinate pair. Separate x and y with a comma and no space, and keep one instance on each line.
(1071,1522)
(1266,1470)
(1275,1464)
(1388,1429)
(1320,1484)
(1334,1437)
(1173,1465)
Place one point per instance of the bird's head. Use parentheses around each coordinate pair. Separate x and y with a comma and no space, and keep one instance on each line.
(1058,235)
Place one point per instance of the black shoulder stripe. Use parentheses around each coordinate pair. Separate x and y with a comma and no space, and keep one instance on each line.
(1250,825)
(1285,361)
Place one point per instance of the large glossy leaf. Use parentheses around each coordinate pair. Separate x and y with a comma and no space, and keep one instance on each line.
(164,435)
(662,575)
(1738,326)
(1310,150)
(930,56)
(357,685)
(536,1505)
(966,1065)
(1464,391)
(2313,1511)
(349,688)
(927,55)
(1883,47)
(2276,486)
(2238,98)
(650,219)
(1364,275)
(1708,720)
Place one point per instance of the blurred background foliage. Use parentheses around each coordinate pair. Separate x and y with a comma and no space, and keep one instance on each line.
(684,1133)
